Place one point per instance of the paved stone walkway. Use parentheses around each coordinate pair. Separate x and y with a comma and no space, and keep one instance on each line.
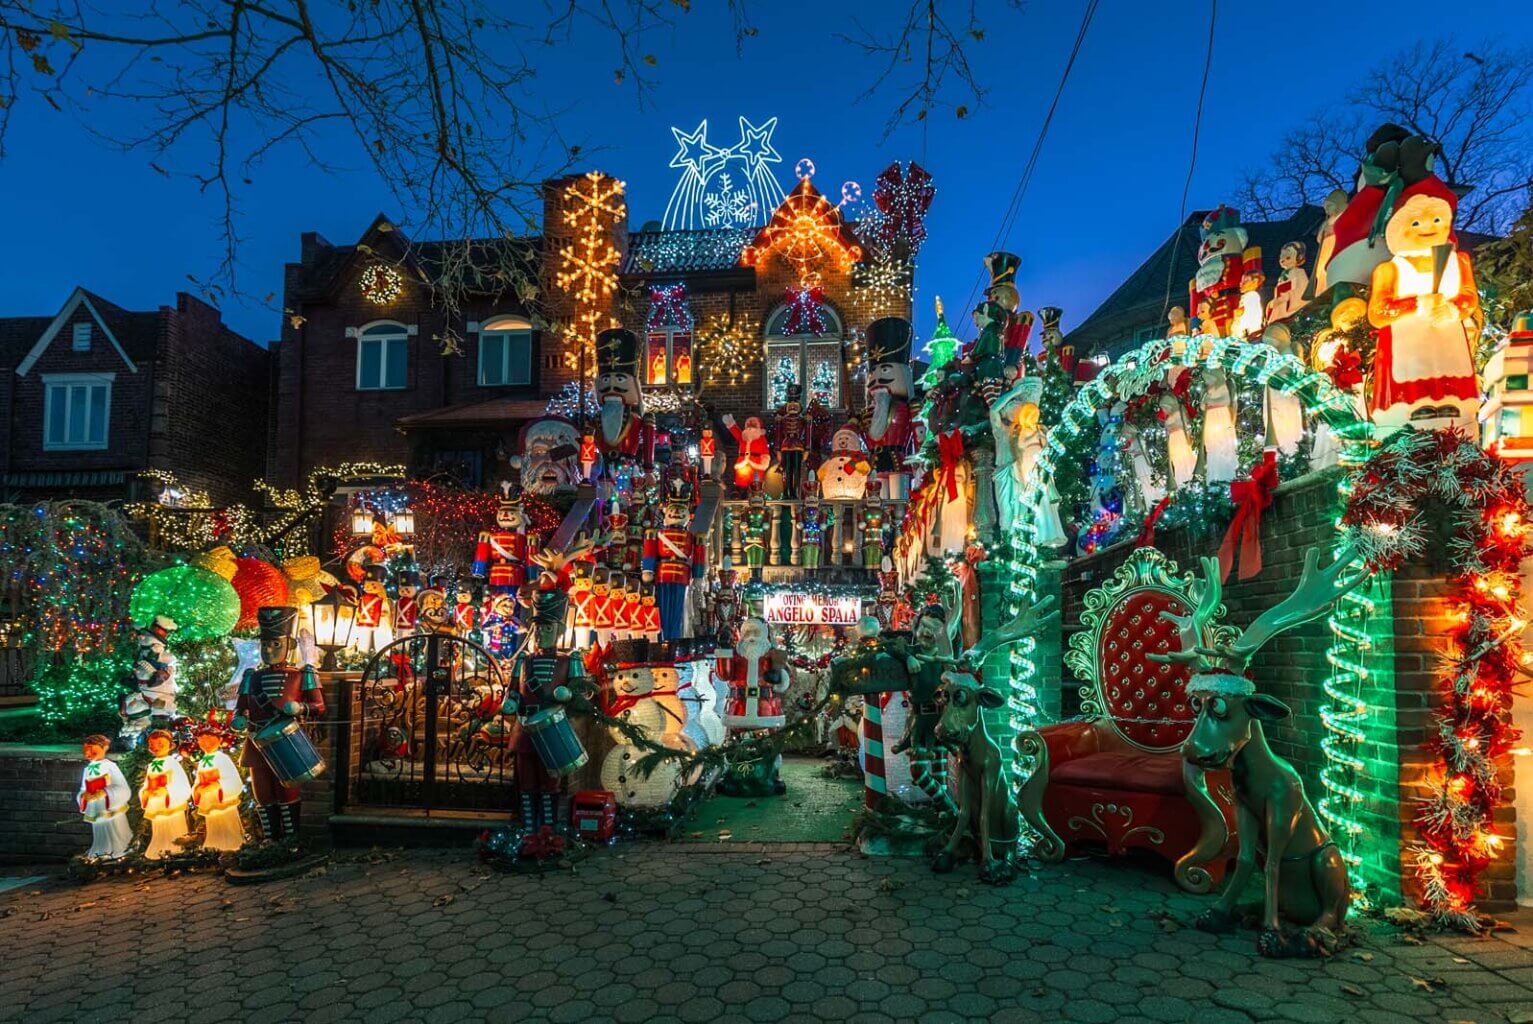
(696,933)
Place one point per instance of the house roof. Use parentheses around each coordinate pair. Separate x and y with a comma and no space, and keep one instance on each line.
(1141,299)
(492,412)
(134,335)
(17,336)
(682,252)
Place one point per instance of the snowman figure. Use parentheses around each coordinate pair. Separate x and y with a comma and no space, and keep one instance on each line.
(844,475)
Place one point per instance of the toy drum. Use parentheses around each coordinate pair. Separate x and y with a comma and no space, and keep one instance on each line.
(553,737)
(289,751)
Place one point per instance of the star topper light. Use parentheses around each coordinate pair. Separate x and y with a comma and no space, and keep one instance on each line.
(723,187)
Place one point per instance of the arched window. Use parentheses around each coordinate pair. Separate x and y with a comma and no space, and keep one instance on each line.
(383,356)
(801,356)
(505,352)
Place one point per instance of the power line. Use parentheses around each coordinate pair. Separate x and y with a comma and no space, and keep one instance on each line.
(1192,164)
(1015,206)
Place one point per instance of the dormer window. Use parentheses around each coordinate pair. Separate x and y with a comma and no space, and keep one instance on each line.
(80,342)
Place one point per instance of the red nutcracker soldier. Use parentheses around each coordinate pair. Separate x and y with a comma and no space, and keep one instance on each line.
(1213,294)
(406,606)
(1003,267)
(890,431)
(707,451)
(579,614)
(649,613)
(500,558)
(795,436)
(465,612)
(673,558)
(601,606)
(623,427)
(624,547)
(274,698)
(631,616)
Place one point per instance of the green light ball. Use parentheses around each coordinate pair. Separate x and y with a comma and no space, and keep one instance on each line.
(202,603)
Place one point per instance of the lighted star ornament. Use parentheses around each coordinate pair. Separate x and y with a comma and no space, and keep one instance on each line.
(723,188)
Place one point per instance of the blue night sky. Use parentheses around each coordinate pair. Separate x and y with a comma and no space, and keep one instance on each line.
(1105,192)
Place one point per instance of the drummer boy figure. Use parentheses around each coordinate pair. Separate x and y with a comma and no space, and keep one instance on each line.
(271,695)
(547,748)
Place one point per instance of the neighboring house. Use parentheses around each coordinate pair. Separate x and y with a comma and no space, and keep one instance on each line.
(1136,312)
(95,394)
(361,376)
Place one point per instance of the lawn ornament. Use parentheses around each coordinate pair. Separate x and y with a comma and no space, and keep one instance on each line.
(216,794)
(103,801)
(164,794)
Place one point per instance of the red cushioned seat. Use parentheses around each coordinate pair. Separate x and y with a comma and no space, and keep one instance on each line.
(1135,772)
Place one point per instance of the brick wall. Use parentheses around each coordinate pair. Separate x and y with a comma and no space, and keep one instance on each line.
(38,817)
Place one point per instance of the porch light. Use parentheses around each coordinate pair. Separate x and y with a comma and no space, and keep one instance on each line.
(333,617)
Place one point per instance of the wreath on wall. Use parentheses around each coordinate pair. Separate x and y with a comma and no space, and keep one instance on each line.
(1439,491)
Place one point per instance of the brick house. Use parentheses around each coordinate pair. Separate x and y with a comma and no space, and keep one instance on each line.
(364,379)
(96,393)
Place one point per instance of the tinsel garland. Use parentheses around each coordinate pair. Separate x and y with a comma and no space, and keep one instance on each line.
(1439,490)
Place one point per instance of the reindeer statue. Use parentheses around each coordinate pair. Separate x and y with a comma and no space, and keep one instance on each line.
(987,807)
(1307,888)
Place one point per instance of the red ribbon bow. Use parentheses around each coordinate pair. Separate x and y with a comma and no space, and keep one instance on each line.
(903,196)
(949,452)
(1251,497)
(804,311)
(1147,534)
(542,844)
(1346,369)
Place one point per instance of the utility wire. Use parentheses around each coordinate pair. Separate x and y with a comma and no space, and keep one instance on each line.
(1192,164)
(1015,206)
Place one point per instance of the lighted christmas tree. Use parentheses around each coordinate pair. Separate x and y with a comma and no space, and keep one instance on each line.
(940,349)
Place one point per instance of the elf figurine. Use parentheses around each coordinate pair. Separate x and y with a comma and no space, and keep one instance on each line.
(216,794)
(794,438)
(890,431)
(754,526)
(274,699)
(164,795)
(103,801)
(813,522)
(500,559)
(673,559)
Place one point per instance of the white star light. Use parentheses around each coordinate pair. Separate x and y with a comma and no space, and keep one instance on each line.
(695,151)
(755,144)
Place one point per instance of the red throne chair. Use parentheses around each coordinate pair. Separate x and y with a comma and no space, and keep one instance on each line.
(1116,778)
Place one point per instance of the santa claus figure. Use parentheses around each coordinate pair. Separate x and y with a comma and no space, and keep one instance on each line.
(216,794)
(844,475)
(500,558)
(673,560)
(550,448)
(1396,161)
(103,801)
(1427,311)
(623,428)
(756,674)
(1214,292)
(755,452)
(164,795)
(889,386)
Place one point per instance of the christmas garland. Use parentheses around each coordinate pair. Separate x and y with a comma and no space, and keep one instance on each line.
(1440,491)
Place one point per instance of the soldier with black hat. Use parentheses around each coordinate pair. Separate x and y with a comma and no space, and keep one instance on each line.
(889,386)
(623,428)
(274,698)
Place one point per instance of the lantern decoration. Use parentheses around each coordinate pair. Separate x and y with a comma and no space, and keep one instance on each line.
(380,284)
(203,604)
(362,522)
(332,619)
(259,584)
(404,523)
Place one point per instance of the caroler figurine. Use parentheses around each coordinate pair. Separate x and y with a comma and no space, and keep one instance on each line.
(547,749)
(164,795)
(216,794)
(103,801)
(274,699)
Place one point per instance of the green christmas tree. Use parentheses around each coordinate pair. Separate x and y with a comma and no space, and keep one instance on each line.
(940,349)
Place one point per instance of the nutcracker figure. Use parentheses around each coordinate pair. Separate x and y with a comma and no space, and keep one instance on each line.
(373,614)
(889,386)
(814,520)
(588,455)
(755,524)
(542,681)
(756,674)
(794,438)
(500,559)
(216,794)
(623,427)
(617,600)
(755,452)
(274,699)
(602,616)
(707,451)
(164,794)
(1002,268)
(578,617)
(649,613)
(103,800)
(1214,291)
(875,521)
(673,558)
(465,613)
(632,614)
(406,608)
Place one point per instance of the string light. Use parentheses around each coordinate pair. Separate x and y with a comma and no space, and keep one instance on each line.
(727,349)
(806,232)
(380,284)
(588,261)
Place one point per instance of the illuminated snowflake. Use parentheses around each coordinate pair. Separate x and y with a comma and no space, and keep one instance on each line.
(728,206)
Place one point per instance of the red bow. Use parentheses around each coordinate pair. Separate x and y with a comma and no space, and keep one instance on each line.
(949,451)
(1147,534)
(542,844)
(1346,369)
(804,311)
(903,196)
(1251,497)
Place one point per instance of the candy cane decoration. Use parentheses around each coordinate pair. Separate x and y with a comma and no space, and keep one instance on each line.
(874,785)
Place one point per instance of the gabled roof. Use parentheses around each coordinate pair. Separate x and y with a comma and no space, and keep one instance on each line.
(1141,299)
(117,324)
(492,412)
(682,252)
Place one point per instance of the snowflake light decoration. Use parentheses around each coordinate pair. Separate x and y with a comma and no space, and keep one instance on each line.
(723,188)
(380,283)
(588,262)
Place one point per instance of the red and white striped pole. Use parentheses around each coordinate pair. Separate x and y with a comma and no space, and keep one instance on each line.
(875,786)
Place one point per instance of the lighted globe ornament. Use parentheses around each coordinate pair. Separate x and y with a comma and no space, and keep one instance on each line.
(202,603)
(259,584)
(940,349)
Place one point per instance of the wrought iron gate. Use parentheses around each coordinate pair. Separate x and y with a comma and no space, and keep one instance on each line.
(431,732)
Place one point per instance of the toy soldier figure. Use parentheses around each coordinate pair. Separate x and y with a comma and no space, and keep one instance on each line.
(274,698)
(794,438)
(755,524)
(814,520)
(623,428)
(547,748)
(406,610)
(889,388)
(707,451)
(501,556)
(874,518)
(673,558)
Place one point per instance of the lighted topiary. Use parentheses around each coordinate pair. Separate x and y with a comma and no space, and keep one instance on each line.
(259,584)
(202,603)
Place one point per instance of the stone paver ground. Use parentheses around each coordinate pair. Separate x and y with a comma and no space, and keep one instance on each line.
(702,933)
(816,809)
